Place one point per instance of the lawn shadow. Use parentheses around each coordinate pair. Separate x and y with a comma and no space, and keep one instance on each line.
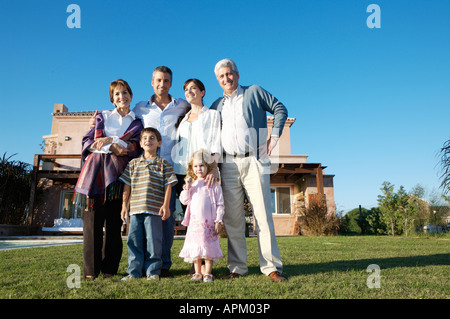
(362,264)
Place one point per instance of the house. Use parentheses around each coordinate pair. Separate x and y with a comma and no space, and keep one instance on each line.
(294,181)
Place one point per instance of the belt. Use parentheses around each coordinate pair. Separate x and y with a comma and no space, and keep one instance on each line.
(248,154)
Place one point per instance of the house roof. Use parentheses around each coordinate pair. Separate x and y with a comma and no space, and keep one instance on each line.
(82,113)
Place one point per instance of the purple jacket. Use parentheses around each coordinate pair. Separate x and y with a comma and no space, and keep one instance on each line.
(101,170)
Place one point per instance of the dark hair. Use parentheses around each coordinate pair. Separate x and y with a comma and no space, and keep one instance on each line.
(201,86)
(197,82)
(152,130)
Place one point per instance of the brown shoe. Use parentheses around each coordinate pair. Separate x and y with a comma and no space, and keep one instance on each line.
(231,276)
(276,276)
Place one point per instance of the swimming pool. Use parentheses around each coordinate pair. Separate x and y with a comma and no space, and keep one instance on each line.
(6,244)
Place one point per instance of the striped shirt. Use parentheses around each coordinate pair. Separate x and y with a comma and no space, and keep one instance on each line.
(147,179)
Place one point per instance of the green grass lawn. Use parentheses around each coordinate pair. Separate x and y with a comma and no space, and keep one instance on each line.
(316,267)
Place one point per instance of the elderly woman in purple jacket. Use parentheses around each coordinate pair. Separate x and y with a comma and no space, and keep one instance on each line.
(107,149)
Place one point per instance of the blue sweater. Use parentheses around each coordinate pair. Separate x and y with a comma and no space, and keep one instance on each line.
(256,102)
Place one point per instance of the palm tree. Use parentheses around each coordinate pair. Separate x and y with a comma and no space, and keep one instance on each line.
(15,183)
(445,167)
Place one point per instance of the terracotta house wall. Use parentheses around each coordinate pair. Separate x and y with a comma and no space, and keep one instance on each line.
(285,224)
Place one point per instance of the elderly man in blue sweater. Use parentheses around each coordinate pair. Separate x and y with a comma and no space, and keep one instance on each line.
(246,166)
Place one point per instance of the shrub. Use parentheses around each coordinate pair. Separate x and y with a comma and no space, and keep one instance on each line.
(15,184)
(317,221)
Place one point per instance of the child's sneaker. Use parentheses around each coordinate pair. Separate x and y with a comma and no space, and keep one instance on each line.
(153,277)
(196,277)
(127,278)
(207,278)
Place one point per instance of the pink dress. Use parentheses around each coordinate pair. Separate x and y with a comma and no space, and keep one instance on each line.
(204,208)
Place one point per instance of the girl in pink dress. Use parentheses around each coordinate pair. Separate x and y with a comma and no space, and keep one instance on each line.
(203,217)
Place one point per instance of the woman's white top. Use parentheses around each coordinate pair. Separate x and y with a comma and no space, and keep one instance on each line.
(203,133)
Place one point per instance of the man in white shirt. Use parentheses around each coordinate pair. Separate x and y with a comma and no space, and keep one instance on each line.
(245,167)
(162,110)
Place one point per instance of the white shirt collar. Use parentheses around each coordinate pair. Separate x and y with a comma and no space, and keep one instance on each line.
(172,101)
(235,92)
(203,110)
(116,113)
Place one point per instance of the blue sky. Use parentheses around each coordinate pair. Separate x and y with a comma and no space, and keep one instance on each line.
(372,105)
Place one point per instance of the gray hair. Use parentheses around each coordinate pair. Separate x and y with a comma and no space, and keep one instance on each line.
(163,69)
(225,63)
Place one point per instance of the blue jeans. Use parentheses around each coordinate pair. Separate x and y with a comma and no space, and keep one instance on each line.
(144,245)
(168,226)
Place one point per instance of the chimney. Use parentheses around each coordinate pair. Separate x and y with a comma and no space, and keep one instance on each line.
(60,108)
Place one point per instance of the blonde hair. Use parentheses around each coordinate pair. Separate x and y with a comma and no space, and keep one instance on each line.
(202,155)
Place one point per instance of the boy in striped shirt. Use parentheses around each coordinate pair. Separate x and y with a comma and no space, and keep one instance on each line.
(146,196)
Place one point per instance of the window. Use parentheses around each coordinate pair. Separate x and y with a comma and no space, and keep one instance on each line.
(280,199)
(67,209)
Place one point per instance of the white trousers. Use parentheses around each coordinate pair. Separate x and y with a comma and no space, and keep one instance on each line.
(247,174)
